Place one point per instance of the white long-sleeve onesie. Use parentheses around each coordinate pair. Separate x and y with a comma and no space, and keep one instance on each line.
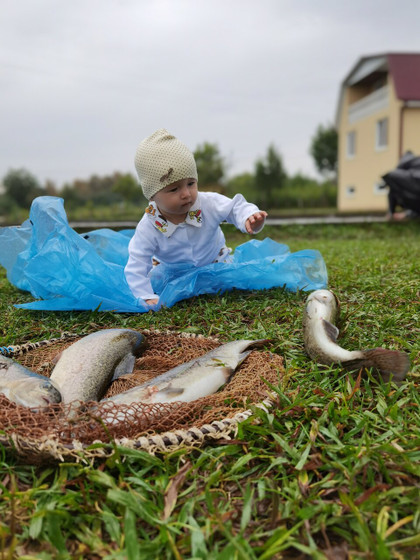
(198,240)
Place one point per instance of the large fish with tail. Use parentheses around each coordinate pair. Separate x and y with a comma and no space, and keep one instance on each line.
(320,337)
(187,382)
(25,387)
(85,369)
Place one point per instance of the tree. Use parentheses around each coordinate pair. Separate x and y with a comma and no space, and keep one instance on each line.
(270,176)
(211,166)
(324,150)
(102,191)
(243,184)
(71,197)
(50,188)
(127,186)
(22,187)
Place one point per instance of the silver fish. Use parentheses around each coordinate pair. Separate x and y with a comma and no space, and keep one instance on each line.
(85,369)
(25,387)
(320,337)
(192,380)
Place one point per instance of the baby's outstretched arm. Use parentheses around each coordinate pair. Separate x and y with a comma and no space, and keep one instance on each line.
(255,222)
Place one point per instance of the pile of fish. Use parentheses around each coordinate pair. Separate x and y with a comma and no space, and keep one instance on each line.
(85,369)
(320,338)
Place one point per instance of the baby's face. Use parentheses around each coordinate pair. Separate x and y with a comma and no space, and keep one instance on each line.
(175,200)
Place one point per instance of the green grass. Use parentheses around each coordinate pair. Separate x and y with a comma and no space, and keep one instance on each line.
(331,471)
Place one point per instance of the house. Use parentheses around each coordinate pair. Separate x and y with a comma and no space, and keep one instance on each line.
(378,119)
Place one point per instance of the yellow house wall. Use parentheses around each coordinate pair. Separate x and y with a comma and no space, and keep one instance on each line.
(364,170)
(411,130)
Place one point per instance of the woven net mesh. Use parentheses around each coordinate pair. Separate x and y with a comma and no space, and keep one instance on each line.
(84,423)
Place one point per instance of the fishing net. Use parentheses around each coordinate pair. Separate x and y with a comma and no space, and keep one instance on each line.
(67,432)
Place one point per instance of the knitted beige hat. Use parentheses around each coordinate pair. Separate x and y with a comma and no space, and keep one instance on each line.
(161,159)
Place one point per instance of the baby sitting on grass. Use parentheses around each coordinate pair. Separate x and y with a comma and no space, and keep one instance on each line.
(181,224)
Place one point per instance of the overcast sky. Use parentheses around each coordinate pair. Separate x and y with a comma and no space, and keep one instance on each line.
(82,82)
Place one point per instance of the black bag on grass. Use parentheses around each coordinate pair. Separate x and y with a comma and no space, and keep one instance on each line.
(404,184)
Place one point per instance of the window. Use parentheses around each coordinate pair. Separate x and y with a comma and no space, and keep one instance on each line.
(350,192)
(351,144)
(380,188)
(381,134)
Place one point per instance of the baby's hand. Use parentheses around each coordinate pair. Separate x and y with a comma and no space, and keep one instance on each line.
(255,222)
(151,301)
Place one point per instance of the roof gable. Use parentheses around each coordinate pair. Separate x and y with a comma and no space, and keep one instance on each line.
(405,71)
(365,67)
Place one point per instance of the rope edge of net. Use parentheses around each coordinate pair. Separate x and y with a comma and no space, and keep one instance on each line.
(20,349)
(153,443)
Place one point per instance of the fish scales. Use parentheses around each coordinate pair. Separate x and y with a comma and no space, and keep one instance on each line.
(85,369)
(320,333)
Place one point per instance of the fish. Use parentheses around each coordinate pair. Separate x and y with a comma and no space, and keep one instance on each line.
(192,380)
(26,387)
(86,368)
(320,334)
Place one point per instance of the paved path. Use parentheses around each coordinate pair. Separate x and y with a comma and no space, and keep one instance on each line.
(325,220)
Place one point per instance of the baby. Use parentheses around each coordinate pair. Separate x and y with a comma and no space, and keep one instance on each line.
(181,224)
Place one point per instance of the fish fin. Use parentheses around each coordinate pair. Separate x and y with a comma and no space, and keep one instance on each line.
(331,330)
(260,342)
(242,357)
(57,357)
(140,345)
(126,365)
(386,362)
(228,371)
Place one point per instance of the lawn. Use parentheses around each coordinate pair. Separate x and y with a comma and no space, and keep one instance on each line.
(331,471)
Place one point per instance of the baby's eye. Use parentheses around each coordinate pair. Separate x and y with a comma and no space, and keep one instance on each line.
(173,189)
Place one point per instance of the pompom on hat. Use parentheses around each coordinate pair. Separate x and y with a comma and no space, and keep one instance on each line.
(162,159)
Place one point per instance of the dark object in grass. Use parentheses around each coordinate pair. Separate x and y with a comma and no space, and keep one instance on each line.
(320,337)
(404,186)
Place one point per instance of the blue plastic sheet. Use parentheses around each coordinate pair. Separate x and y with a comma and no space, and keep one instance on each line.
(66,271)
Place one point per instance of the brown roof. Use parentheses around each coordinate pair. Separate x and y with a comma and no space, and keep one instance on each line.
(405,71)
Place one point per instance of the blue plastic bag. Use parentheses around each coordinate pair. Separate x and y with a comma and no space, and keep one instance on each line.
(112,246)
(71,271)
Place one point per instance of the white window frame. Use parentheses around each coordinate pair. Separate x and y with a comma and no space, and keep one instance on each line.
(379,189)
(351,144)
(381,134)
(350,191)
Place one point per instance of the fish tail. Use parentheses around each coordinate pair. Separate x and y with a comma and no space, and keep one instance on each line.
(387,362)
(242,357)
(254,344)
(260,342)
